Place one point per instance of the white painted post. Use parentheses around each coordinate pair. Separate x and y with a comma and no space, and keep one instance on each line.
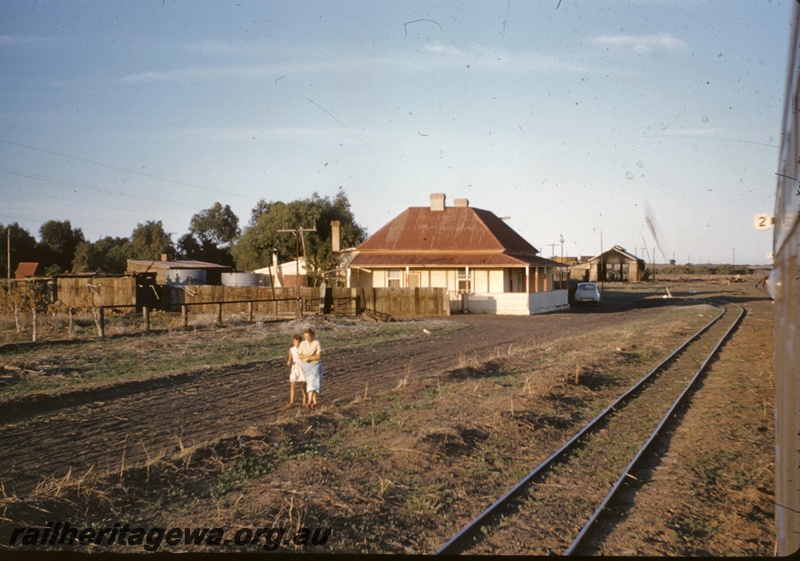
(528,286)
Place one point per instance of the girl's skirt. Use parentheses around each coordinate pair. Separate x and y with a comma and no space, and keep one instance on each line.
(312,372)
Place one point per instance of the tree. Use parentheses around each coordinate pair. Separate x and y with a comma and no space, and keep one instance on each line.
(211,234)
(23,248)
(262,207)
(108,255)
(149,241)
(254,248)
(58,242)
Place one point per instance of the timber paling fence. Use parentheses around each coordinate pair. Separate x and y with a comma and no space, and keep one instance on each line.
(137,294)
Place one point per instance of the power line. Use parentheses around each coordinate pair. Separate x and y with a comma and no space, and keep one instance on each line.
(126,170)
(86,187)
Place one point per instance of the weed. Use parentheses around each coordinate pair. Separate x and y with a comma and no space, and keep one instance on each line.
(291,449)
(688,528)
(708,468)
(239,472)
(357,452)
(372,419)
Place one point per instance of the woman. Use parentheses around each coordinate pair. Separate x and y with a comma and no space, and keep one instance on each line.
(310,354)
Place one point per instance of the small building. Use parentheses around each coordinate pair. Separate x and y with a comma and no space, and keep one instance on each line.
(27,270)
(286,275)
(616,264)
(485,265)
(179,273)
(578,268)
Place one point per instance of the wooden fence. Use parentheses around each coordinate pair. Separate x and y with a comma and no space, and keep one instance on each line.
(394,302)
(240,299)
(97,294)
(88,292)
(404,302)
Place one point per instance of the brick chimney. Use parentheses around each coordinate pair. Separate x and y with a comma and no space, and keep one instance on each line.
(461,202)
(437,201)
(336,237)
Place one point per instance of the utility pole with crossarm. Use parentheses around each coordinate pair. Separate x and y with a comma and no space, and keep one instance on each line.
(297,233)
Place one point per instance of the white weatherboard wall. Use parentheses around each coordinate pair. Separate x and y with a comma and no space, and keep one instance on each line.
(542,302)
(515,303)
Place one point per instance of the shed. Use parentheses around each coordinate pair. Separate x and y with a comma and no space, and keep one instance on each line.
(286,275)
(616,264)
(178,272)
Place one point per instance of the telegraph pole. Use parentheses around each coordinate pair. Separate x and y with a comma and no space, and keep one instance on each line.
(8,255)
(297,233)
(602,264)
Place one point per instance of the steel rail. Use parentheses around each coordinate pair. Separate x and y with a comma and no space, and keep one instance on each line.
(474,526)
(649,442)
(762,286)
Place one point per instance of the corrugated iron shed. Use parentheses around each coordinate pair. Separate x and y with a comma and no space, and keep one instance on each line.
(160,267)
(615,255)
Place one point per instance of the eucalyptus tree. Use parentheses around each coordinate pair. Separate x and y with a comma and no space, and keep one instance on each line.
(211,235)
(254,248)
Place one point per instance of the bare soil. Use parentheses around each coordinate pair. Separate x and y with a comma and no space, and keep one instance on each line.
(414,437)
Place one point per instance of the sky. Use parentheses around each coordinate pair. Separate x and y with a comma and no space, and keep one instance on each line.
(581,120)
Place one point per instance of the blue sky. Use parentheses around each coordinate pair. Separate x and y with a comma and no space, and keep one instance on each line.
(573,118)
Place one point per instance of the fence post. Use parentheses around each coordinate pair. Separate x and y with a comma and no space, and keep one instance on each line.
(184,315)
(146,318)
(219,313)
(35,330)
(250,311)
(101,321)
(71,323)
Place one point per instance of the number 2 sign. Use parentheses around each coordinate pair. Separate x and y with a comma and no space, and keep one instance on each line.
(763,221)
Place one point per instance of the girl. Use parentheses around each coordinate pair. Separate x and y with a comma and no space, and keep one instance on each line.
(296,373)
(310,354)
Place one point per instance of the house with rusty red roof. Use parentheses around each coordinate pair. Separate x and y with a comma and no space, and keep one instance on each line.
(485,265)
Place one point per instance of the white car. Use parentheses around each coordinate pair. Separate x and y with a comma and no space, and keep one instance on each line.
(587,292)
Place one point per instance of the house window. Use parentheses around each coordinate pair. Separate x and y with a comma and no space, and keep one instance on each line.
(464,283)
(394,278)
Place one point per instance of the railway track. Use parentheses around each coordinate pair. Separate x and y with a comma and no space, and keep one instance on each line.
(559,506)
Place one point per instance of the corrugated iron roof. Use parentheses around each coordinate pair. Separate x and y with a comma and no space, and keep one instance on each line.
(25,270)
(454,237)
(616,254)
(452,229)
(158,264)
(449,259)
